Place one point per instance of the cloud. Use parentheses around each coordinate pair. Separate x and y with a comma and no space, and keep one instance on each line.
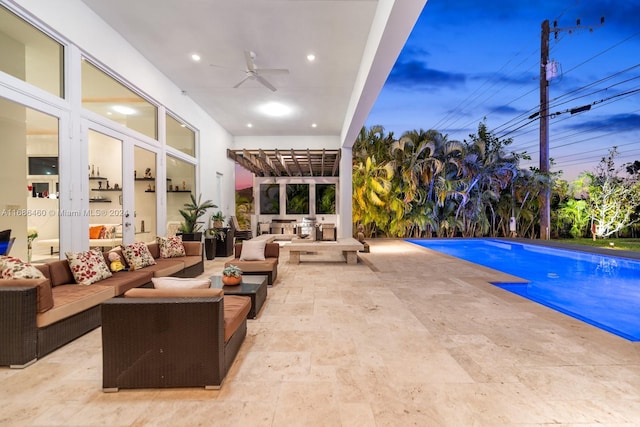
(414,74)
(506,109)
(614,123)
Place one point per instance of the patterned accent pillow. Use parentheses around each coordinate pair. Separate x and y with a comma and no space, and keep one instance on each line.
(171,247)
(88,267)
(137,255)
(14,268)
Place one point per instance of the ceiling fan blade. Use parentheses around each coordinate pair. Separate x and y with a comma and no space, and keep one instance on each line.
(265,82)
(273,71)
(249,56)
(242,81)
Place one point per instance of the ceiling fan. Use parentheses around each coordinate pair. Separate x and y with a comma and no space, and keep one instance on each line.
(255,73)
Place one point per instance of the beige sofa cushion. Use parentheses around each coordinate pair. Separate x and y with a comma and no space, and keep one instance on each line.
(255,266)
(180,283)
(253,250)
(73,299)
(165,267)
(122,281)
(236,309)
(173,293)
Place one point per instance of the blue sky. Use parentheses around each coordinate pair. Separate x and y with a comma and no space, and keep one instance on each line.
(467,60)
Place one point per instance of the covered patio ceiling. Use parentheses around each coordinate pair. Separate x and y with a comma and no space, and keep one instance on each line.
(288,162)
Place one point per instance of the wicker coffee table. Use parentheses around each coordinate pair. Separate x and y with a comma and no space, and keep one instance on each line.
(251,286)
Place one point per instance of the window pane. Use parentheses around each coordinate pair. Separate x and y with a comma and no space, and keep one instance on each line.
(297,199)
(30,170)
(106,96)
(269,199)
(180,137)
(181,178)
(30,55)
(105,191)
(326,199)
(145,194)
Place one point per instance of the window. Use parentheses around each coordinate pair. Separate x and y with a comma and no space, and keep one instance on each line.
(297,199)
(109,98)
(325,199)
(180,137)
(181,178)
(269,199)
(30,200)
(30,55)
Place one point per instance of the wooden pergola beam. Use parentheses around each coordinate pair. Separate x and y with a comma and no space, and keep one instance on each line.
(267,161)
(336,163)
(241,161)
(295,160)
(254,161)
(284,166)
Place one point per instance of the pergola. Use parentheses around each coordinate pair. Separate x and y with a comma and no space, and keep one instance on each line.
(288,162)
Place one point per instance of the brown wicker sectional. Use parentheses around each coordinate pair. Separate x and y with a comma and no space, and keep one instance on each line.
(38,316)
(268,267)
(158,338)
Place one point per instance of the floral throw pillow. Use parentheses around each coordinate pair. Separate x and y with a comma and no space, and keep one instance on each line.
(137,255)
(14,268)
(171,247)
(88,267)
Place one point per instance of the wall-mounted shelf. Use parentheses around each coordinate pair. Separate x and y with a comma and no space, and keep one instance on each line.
(149,179)
(106,189)
(149,191)
(99,200)
(98,177)
(179,191)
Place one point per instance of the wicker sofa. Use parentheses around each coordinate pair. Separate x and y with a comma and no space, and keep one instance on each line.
(267,267)
(38,316)
(171,338)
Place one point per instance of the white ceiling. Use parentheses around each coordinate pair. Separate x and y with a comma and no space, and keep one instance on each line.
(281,33)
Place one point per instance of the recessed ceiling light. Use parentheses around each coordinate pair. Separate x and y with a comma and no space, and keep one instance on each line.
(311,57)
(314,125)
(249,125)
(127,111)
(195,57)
(275,109)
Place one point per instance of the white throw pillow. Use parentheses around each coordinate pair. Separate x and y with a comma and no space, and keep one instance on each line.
(180,283)
(253,250)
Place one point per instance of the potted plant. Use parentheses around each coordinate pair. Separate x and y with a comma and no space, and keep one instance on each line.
(211,237)
(218,219)
(191,214)
(231,275)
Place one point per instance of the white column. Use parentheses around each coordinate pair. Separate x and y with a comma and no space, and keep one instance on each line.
(345,190)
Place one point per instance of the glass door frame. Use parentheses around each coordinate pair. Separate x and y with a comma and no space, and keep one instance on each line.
(128,180)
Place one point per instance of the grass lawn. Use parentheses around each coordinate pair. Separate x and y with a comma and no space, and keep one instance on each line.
(625,244)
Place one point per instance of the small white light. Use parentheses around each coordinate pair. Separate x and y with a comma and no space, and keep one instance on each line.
(311,57)
(249,125)
(314,125)
(127,111)
(195,57)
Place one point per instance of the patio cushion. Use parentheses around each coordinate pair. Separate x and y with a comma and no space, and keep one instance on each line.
(180,283)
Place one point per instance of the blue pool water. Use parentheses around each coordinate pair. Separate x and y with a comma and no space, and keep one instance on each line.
(601,290)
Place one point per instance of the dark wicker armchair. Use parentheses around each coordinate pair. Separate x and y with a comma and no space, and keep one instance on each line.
(167,342)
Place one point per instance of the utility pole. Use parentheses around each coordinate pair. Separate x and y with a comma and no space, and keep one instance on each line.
(545,205)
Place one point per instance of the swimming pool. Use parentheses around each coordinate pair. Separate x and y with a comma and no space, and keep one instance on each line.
(603,291)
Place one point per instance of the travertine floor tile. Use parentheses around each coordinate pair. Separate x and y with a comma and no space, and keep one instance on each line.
(405,337)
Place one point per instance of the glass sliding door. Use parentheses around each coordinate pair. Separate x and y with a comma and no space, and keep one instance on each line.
(181,178)
(30,173)
(106,210)
(145,176)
